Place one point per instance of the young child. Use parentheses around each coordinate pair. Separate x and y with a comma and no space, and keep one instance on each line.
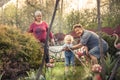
(69,55)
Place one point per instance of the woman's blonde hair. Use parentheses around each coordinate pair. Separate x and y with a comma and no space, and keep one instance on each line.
(68,37)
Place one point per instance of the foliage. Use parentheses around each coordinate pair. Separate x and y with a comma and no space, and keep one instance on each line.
(110,40)
(111,16)
(22,17)
(33,5)
(84,17)
(109,63)
(18,49)
(57,73)
(9,14)
(110,58)
(31,75)
(1,76)
(82,72)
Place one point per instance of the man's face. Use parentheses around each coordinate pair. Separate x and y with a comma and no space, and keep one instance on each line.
(78,31)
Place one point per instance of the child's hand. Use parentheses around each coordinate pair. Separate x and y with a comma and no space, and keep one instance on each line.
(66,49)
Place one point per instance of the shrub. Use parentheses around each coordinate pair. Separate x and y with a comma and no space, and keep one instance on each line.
(18,51)
(110,39)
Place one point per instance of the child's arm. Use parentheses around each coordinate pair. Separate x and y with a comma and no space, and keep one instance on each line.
(63,47)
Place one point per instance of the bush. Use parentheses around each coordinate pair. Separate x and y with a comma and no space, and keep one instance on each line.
(110,39)
(18,52)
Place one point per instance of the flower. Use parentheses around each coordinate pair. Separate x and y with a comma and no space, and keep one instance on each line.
(50,65)
(51,60)
(79,54)
(96,68)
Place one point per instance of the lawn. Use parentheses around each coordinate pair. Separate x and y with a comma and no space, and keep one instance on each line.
(57,73)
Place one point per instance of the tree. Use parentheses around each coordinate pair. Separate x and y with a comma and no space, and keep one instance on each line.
(112,13)
(87,17)
(9,14)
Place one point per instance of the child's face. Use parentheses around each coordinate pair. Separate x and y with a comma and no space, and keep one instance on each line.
(68,41)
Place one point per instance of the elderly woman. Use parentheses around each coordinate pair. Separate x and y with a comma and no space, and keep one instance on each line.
(39,29)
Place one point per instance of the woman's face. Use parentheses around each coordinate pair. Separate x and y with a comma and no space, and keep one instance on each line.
(38,18)
(78,31)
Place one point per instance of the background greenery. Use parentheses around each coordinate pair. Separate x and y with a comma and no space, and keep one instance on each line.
(19,47)
(22,17)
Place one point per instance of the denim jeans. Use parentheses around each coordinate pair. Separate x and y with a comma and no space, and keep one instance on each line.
(69,58)
(96,50)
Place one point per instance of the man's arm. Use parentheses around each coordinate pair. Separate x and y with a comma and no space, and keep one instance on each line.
(77,46)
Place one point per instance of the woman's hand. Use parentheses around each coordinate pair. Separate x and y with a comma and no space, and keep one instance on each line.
(53,42)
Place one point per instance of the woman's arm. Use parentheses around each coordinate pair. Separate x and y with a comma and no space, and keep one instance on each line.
(30,30)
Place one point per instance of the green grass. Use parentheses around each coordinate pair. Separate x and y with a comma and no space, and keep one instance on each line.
(57,73)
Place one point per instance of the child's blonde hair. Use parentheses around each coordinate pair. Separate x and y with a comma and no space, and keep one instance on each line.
(68,37)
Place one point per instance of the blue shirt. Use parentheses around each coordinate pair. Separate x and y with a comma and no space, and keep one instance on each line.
(90,39)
